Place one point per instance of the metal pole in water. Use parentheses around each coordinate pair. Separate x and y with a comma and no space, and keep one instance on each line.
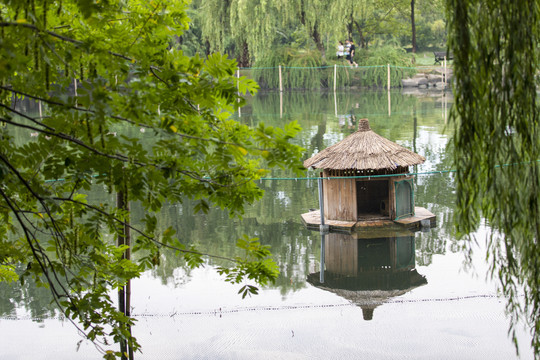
(321,200)
(324,228)
(321,273)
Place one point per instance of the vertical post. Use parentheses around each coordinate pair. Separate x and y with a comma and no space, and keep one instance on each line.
(280,105)
(388,89)
(280,80)
(323,249)
(442,107)
(124,293)
(388,75)
(238,80)
(335,104)
(415,126)
(321,201)
(323,228)
(389,103)
(444,78)
(120,203)
(40,110)
(445,109)
(335,77)
(238,87)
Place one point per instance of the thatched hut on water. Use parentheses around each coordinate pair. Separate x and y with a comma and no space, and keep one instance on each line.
(386,194)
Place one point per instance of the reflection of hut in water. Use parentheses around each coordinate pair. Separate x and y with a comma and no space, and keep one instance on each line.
(370,270)
(382,196)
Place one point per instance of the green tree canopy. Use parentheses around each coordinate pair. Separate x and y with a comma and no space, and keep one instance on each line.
(254,30)
(497,141)
(121,109)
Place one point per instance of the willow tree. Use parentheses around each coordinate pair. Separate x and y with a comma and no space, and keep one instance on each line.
(120,109)
(247,29)
(257,24)
(367,19)
(313,17)
(261,24)
(348,15)
(497,141)
(413,28)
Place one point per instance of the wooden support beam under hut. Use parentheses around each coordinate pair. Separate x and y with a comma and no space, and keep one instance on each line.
(366,182)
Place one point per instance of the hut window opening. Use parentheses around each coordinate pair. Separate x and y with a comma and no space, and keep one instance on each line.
(372,199)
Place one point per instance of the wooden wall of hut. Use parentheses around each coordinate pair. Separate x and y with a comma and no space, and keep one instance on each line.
(346,255)
(339,198)
(344,202)
(341,254)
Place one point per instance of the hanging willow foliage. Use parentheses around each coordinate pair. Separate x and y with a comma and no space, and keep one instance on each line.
(391,54)
(305,71)
(495,46)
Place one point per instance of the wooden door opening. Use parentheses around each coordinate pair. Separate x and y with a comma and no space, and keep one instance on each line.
(372,199)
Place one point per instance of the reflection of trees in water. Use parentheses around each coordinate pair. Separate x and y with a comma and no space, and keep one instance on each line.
(436,192)
(276,218)
(36,300)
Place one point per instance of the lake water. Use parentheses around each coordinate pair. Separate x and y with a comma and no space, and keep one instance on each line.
(441,310)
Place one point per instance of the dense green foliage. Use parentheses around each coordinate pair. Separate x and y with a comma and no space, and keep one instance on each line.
(496,54)
(121,108)
(387,54)
(251,30)
(299,33)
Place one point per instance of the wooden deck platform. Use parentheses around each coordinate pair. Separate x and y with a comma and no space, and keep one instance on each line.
(415,221)
(312,220)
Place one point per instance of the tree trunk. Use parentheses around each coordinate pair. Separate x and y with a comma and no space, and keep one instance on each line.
(363,43)
(317,38)
(243,54)
(413,28)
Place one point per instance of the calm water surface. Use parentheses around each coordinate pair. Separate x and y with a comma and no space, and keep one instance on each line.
(445,311)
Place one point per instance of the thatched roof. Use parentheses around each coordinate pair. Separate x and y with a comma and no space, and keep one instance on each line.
(364,150)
